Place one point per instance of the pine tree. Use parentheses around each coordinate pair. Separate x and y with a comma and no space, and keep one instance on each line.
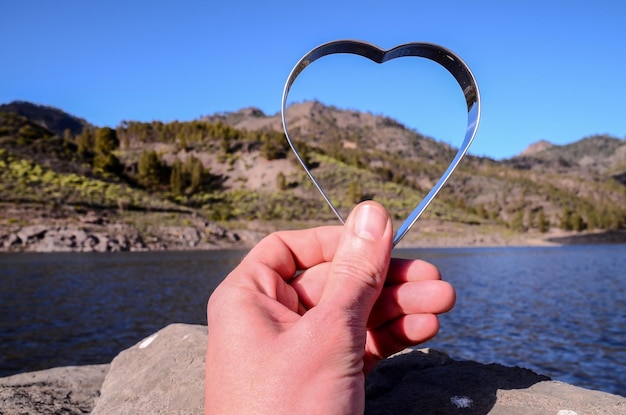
(106,141)
(182,141)
(281,181)
(224,144)
(481,212)
(578,224)
(107,163)
(149,169)
(177,180)
(85,141)
(195,171)
(566,220)
(542,223)
(517,223)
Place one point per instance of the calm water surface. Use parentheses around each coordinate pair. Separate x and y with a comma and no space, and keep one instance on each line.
(559,311)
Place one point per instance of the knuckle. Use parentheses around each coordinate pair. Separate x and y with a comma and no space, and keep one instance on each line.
(361,271)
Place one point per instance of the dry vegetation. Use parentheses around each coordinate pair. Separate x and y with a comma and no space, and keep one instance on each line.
(237,169)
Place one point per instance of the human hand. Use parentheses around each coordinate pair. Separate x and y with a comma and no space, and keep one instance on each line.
(298,324)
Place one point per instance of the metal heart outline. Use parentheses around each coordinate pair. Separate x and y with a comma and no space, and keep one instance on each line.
(444,57)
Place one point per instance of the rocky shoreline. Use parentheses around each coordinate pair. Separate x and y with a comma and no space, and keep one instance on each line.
(40,229)
(204,235)
(94,233)
(164,373)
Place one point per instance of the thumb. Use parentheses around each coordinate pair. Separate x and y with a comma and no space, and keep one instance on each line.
(360,264)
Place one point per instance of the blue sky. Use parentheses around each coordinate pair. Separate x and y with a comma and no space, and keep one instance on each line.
(550,70)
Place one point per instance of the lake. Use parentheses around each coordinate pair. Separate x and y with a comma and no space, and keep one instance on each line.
(560,311)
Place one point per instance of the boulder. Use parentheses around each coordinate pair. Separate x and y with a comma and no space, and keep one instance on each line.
(9,240)
(164,374)
(61,240)
(211,228)
(187,235)
(27,234)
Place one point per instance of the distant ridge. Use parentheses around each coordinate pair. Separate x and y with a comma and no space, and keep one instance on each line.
(50,118)
(601,153)
(537,147)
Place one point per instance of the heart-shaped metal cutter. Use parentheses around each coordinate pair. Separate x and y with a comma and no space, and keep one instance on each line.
(450,61)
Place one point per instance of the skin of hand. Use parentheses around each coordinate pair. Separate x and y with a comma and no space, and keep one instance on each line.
(295,328)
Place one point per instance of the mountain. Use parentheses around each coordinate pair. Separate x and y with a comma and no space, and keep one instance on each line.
(536,147)
(50,118)
(599,153)
(237,169)
(555,180)
(324,127)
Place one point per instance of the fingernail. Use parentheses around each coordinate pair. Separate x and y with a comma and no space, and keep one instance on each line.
(370,222)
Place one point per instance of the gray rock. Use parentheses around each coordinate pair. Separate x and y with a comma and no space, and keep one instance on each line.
(118,243)
(114,237)
(63,390)
(100,242)
(58,240)
(165,374)
(162,374)
(429,382)
(27,234)
(78,236)
(11,239)
(188,234)
(211,228)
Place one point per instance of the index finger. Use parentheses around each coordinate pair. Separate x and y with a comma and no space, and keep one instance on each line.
(411,270)
(286,252)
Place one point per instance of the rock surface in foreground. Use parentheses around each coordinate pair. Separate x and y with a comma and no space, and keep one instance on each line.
(63,390)
(429,382)
(164,373)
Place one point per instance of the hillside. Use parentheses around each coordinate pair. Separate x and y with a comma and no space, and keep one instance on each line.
(232,176)
(53,119)
(601,154)
(579,179)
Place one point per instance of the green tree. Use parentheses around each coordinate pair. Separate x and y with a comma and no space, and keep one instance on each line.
(224,144)
(182,141)
(195,170)
(542,222)
(27,134)
(481,212)
(566,219)
(274,146)
(592,218)
(107,163)
(177,179)
(149,169)
(281,181)
(106,141)
(578,224)
(85,142)
(517,223)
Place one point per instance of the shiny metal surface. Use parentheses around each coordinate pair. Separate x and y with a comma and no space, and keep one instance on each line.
(446,58)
